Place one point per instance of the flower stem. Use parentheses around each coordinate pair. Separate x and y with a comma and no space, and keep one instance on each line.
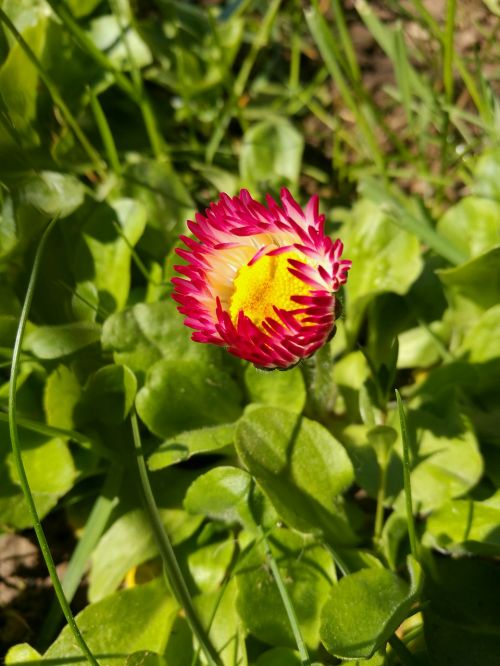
(172,569)
(16,451)
(379,513)
(406,478)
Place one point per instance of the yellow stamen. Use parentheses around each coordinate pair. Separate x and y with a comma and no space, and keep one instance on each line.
(267,282)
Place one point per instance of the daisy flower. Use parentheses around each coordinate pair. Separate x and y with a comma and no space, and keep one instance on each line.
(261,280)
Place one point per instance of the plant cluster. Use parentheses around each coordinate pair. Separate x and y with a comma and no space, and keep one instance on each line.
(346,509)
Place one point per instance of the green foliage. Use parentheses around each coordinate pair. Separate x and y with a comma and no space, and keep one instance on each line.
(364,609)
(308,580)
(115,628)
(121,119)
(300,466)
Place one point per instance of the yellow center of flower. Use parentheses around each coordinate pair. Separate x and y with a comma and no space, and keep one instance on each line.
(264,284)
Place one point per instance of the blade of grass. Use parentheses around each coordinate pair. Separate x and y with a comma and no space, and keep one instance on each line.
(55,95)
(137,260)
(94,528)
(295,53)
(148,116)
(403,73)
(385,38)
(322,35)
(52,431)
(448,51)
(105,132)
(346,41)
(61,10)
(138,96)
(172,569)
(448,40)
(18,459)
(287,602)
(406,477)
(241,80)
(401,216)
(433,26)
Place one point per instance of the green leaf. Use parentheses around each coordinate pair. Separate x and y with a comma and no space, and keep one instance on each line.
(123,46)
(129,540)
(472,225)
(364,610)
(108,395)
(145,658)
(461,618)
(449,462)
(300,466)
(52,342)
(477,282)
(82,7)
(271,154)
(85,301)
(307,571)
(466,526)
(141,335)
(21,654)
(50,470)
(385,258)
(62,392)
(221,494)
(115,627)
(482,342)
(279,657)
(19,86)
(209,564)
(158,187)
(103,253)
(183,394)
(487,175)
(218,612)
(51,193)
(418,347)
(276,388)
(186,444)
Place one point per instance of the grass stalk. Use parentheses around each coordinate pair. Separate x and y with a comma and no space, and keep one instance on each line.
(287,602)
(242,79)
(451,6)
(406,478)
(60,8)
(94,528)
(448,39)
(402,217)
(131,89)
(55,95)
(325,42)
(51,431)
(379,511)
(172,569)
(18,459)
(105,132)
(148,116)
(474,92)
(346,41)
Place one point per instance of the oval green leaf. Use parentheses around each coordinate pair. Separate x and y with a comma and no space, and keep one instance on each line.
(364,610)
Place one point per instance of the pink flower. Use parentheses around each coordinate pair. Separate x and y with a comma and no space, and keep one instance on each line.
(261,280)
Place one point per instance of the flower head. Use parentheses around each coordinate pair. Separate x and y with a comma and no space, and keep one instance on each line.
(261,280)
